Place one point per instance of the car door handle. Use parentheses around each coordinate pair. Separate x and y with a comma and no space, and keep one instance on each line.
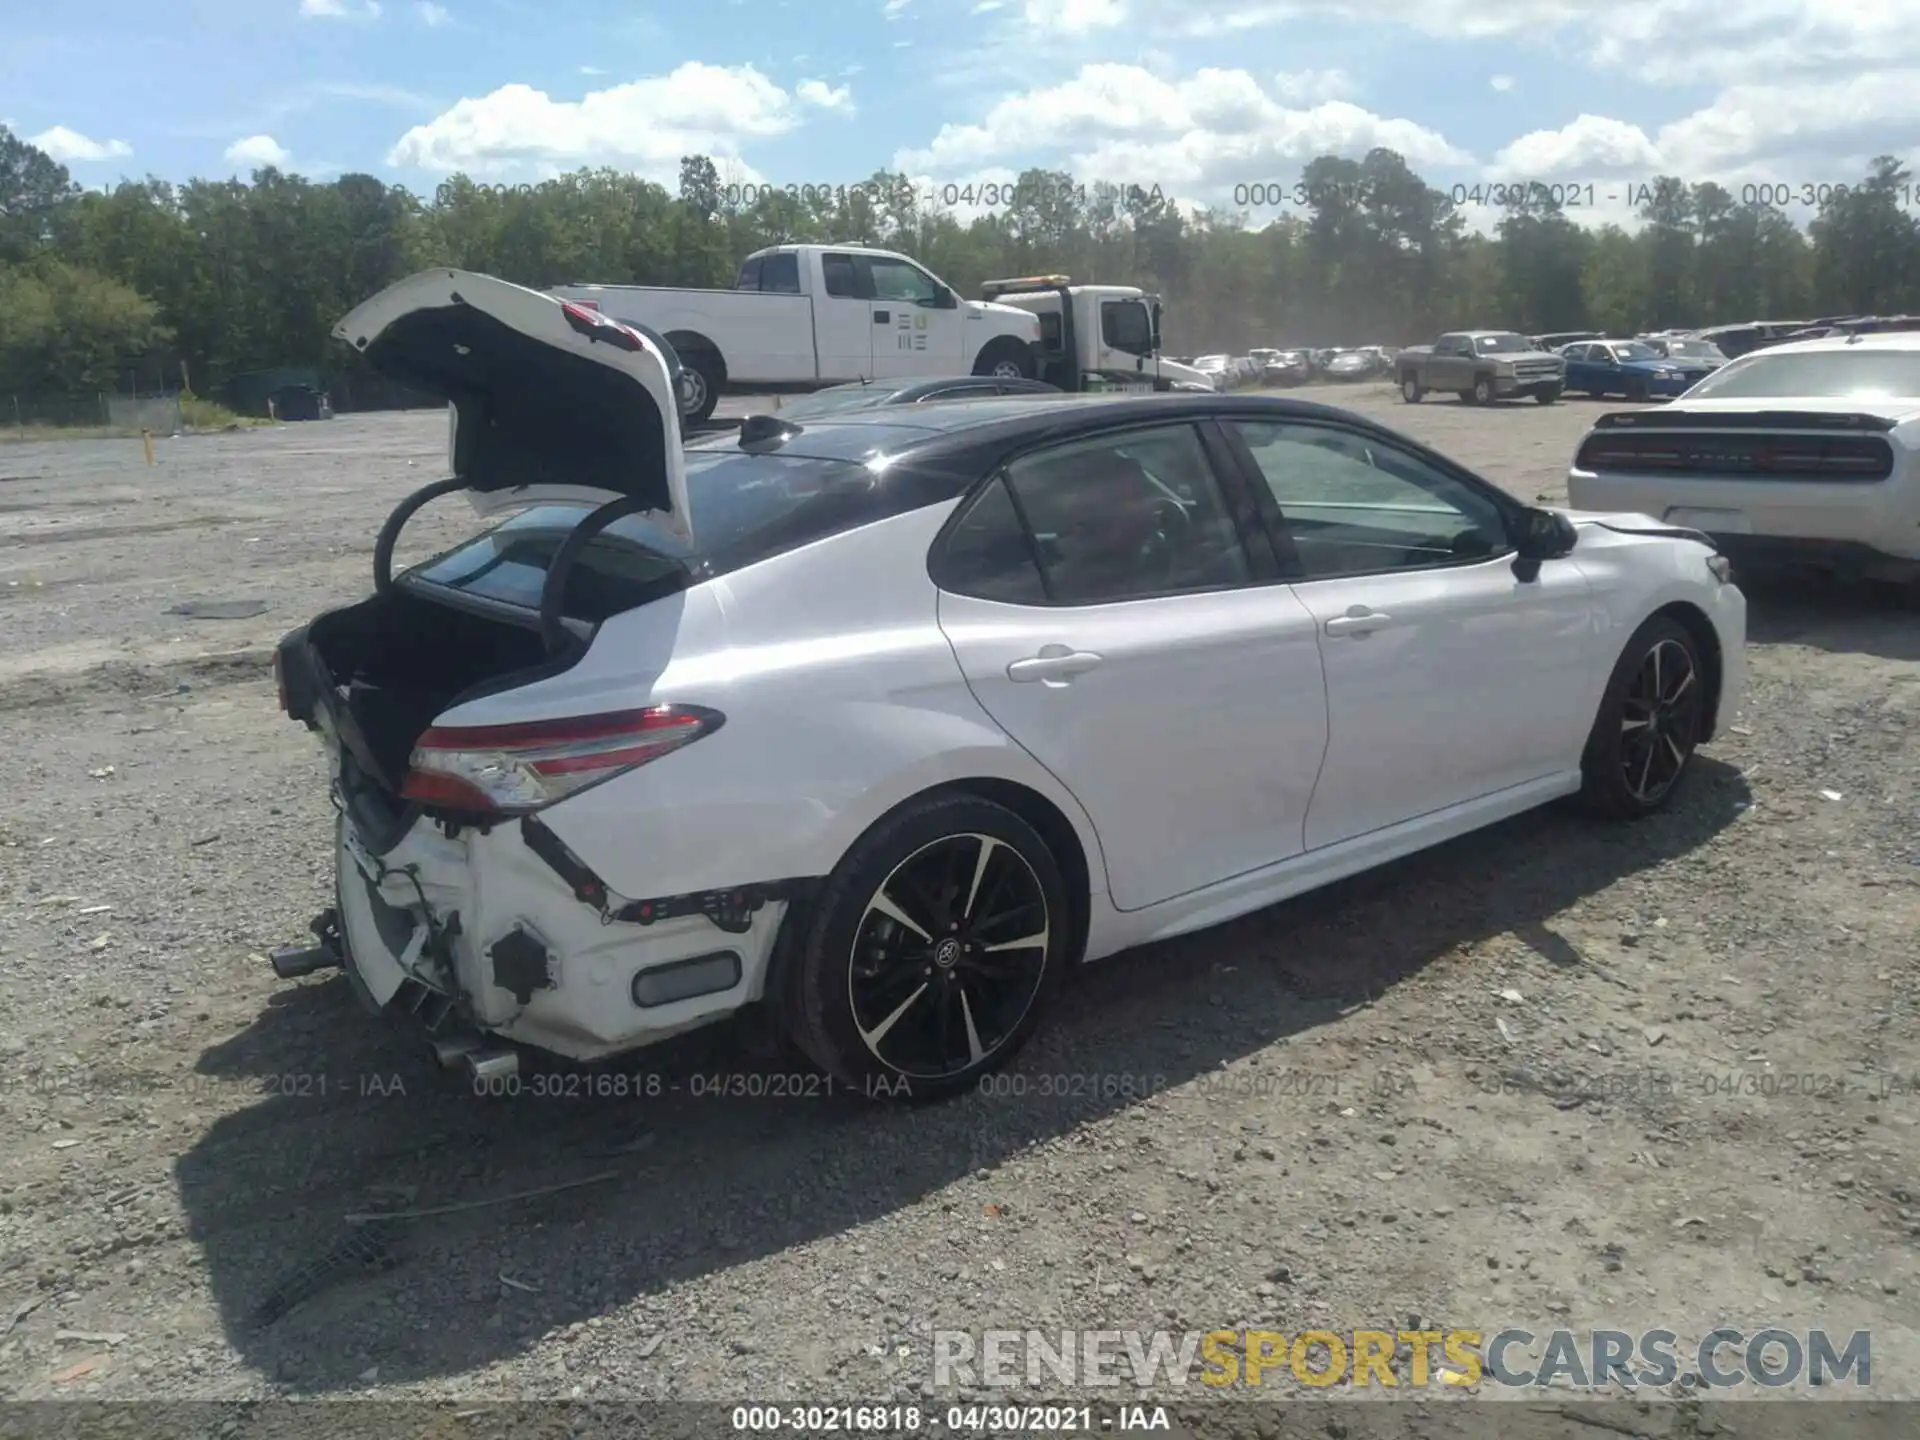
(1054,665)
(1358,621)
(881,317)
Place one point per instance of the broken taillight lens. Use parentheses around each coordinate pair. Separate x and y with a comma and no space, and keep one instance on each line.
(516,769)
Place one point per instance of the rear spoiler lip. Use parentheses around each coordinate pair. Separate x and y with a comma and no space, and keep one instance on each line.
(1669,418)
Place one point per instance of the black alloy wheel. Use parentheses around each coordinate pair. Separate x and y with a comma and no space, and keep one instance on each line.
(1650,722)
(930,952)
(949,956)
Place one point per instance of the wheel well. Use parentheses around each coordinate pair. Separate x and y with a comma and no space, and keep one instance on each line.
(1054,827)
(1694,621)
(687,343)
(1006,345)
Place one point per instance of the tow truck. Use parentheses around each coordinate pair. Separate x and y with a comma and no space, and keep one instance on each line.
(1095,337)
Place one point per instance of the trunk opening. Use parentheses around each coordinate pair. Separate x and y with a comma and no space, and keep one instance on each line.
(401,659)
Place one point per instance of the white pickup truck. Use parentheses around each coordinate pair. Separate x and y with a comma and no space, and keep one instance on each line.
(1097,336)
(804,316)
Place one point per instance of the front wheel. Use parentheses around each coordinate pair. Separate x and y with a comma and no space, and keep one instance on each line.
(1548,396)
(1650,719)
(932,948)
(1410,390)
(1483,390)
(1005,359)
(1639,392)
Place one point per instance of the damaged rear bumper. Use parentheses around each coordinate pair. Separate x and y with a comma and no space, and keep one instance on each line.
(500,931)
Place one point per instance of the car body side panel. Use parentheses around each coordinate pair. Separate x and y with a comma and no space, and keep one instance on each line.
(1634,576)
(837,710)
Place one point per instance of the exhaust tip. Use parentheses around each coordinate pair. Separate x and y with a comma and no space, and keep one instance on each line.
(293,961)
(450,1050)
(491,1065)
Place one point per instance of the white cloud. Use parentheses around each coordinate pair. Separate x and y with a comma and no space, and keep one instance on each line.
(259,151)
(1748,132)
(1309,87)
(1502,83)
(341,9)
(70,146)
(894,9)
(1204,134)
(1587,147)
(591,70)
(1075,17)
(987,7)
(433,15)
(823,96)
(647,124)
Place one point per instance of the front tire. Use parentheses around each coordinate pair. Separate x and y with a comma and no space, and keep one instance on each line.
(1650,719)
(1483,390)
(1005,359)
(931,950)
(1410,390)
(1549,396)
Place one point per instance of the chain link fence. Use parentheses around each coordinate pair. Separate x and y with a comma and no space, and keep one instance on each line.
(23,416)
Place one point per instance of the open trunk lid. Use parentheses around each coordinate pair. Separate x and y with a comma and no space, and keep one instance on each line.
(549,401)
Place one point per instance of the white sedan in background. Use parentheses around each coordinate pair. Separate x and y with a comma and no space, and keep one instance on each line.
(1802,453)
(875,725)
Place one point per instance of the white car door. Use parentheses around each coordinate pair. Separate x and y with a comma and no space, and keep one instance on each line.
(1108,614)
(913,333)
(1451,672)
(843,325)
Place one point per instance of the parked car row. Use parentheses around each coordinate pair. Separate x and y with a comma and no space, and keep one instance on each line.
(1270,368)
(837,722)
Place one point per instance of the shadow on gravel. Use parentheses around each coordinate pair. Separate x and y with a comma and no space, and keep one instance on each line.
(1833,614)
(354,1117)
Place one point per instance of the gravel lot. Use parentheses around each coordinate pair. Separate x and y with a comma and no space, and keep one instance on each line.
(1555,1074)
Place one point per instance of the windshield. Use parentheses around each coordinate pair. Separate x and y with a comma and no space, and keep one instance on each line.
(1211,362)
(1816,375)
(1501,344)
(1693,350)
(1634,350)
(828,402)
(745,508)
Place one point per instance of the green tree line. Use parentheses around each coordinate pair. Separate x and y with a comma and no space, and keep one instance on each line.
(129,284)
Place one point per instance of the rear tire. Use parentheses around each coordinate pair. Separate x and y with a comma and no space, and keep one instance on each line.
(706,374)
(1005,359)
(912,978)
(1650,717)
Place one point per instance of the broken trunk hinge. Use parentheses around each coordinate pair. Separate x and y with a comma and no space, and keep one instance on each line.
(731,910)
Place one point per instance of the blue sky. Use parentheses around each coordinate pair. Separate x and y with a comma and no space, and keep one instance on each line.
(1198,99)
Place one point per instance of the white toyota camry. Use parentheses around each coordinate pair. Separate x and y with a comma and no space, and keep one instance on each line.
(877,725)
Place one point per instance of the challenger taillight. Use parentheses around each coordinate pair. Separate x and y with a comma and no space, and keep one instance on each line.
(516,769)
(1733,457)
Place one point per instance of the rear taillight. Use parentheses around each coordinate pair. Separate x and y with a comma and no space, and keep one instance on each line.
(515,769)
(1807,457)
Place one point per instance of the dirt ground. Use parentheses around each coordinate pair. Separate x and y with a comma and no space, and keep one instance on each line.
(1553,1075)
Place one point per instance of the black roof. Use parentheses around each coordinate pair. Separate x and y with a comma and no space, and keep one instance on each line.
(1009,423)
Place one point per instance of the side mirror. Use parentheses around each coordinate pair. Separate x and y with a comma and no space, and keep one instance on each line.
(945,299)
(1544,535)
